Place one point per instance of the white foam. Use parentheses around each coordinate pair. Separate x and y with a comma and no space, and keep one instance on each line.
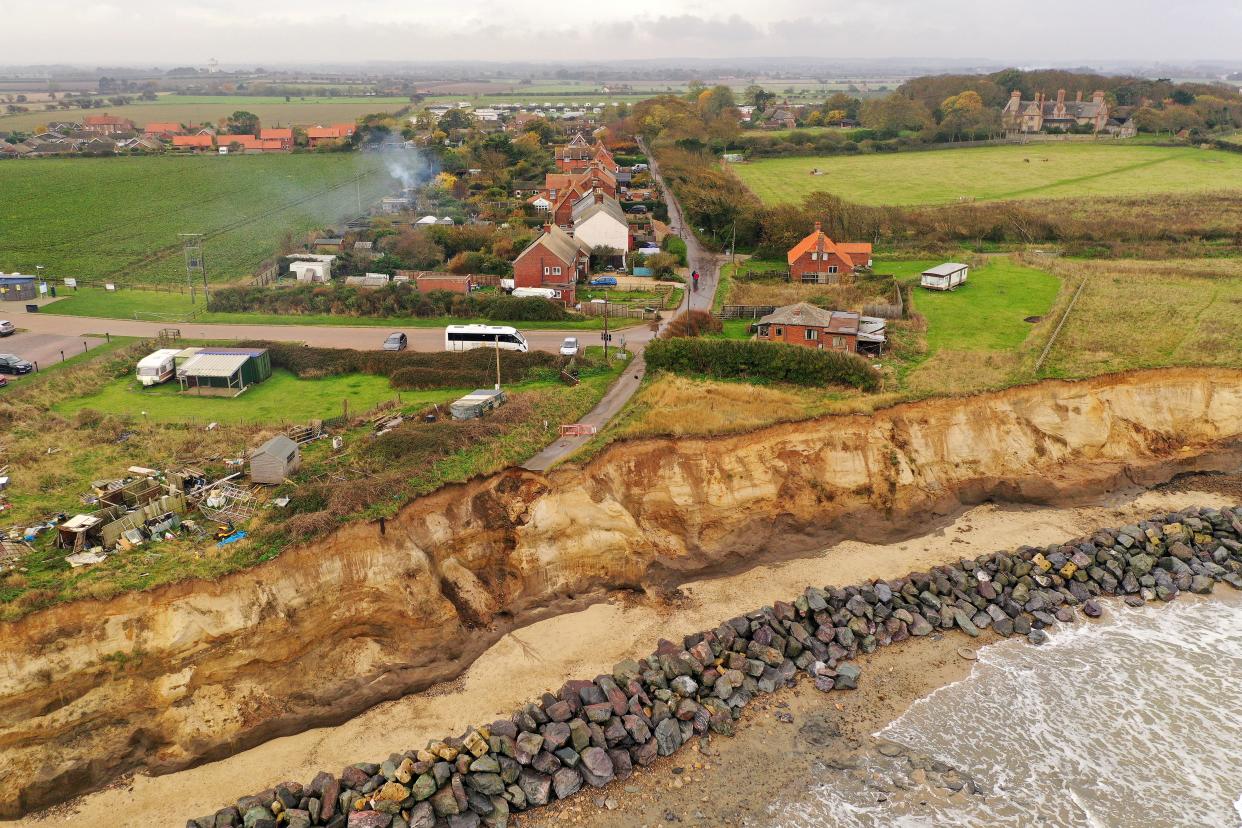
(1123,723)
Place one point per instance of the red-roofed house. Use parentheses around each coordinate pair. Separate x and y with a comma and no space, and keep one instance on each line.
(163,129)
(818,260)
(336,132)
(106,124)
(283,135)
(250,143)
(345,130)
(812,327)
(194,142)
(554,260)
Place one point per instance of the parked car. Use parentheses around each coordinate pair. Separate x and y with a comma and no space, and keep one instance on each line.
(570,346)
(10,364)
(7,328)
(638,209)
(604,281)
(396,342)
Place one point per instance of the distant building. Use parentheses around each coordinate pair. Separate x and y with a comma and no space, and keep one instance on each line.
(283,135)
(818,260)
(107,125)
(451,282)
(811,327)
(194,143)
(163,129)
(1042,114)
(336,132)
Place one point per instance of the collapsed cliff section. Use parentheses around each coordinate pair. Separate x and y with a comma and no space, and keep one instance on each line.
(195,671)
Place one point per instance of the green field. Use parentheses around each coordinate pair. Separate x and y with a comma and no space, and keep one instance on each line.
(119,218)
(268,402)
(185,109)
(994,173)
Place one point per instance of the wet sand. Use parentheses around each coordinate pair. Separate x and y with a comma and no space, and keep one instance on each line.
(580,645)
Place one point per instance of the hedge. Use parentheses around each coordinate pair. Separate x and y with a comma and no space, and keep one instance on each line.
(753,360)
(677,246)
(411,369)
(393,299)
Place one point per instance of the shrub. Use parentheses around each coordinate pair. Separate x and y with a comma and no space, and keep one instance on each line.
(675,245)
(692,323)
(395,299)
(774,361)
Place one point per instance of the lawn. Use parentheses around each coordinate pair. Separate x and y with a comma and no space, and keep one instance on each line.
(995,173)
(975,333)
(282,398)
(199,109)
(161,306)
(119,218)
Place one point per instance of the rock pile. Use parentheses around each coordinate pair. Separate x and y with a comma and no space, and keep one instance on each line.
(591,732)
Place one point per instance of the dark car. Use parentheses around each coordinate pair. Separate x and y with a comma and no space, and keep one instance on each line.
(638,209)
(10,364)
(396,342)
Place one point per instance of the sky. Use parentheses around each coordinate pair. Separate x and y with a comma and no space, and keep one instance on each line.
(270,32)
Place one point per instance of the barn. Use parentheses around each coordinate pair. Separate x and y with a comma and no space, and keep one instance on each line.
(275,460)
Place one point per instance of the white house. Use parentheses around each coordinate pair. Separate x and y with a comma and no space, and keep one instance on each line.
(487,114)
(601,223)
(311,267)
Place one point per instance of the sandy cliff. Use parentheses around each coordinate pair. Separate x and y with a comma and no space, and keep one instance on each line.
(193,671)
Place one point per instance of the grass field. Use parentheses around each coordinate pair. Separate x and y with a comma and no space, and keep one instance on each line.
(268,402)
(161,306)
(995,173)
(1149,314)
(185,109)
(119,218)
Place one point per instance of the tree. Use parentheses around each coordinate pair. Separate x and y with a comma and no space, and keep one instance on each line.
(418,250)
(841,102)
(242,122)
(757,96)
(893,114)
(716,101)
(455,119)
(961,113)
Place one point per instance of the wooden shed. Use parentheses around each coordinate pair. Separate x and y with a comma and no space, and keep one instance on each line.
(275,460)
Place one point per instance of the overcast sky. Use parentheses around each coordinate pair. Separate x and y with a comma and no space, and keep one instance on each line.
(140,32)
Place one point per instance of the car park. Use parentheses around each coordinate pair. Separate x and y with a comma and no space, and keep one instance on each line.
(11,364)
(396,342)
(570,346)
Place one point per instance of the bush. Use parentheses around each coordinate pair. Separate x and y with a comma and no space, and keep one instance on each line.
(692,323)
(773,361)
(409,369)
(675,245)
(391,300)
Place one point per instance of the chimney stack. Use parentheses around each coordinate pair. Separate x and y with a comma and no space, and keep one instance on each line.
(1060,98)
(1098,96)
(599,196)
(819,226)
(1078,99)
(547,228)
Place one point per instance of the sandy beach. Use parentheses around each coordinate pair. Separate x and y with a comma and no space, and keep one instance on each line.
(541,657)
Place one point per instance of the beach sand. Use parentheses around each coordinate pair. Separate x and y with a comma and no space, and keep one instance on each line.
(542,656)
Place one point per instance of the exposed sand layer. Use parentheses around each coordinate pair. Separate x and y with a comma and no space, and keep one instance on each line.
(542,656)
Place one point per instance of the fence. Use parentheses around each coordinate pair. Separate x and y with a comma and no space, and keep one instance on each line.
(619,311)
(891,310)
(745,311)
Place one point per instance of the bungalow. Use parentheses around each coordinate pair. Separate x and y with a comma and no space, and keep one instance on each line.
(163,129)
(781,119)
(251,144)
(812,327)
(319,135)
(283,135)
(106,124)
(554,260)
(599,221)
(818,260)
(193,143)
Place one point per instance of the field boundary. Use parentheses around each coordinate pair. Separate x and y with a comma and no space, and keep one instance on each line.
(1039,363)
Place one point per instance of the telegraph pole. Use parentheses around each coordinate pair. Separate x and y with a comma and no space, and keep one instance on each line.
(192,243)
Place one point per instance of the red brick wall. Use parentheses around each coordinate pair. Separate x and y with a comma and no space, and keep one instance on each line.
(796,335)
(803,264)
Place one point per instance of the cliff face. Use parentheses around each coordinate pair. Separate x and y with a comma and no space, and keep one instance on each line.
(195,671)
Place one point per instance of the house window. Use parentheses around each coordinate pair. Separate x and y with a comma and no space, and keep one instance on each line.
(779,332)
(832,268)
(556,271)
(811,334)
(814,257)
(546,271)
(838,342)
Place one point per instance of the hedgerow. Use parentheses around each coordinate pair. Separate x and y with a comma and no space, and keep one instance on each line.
(394,299)
(772,361)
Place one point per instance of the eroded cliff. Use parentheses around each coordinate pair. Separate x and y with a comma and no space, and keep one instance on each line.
(188,672)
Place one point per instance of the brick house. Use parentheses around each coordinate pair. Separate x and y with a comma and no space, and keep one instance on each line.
(335,132)
(106,125)
(252,144)
(818,260)
(283,135)
(554,260)
(1042,114)
(811,327)
(194,142)
(162,129)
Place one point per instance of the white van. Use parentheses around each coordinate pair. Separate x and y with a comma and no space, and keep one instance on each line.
(466,337)
(157,367)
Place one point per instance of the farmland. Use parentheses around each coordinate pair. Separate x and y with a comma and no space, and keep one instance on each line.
(995,173)
(118,218)
(208,109)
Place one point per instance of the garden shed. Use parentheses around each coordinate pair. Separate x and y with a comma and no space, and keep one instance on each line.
(275,460)
(477,403)
(17,288)
(224,371)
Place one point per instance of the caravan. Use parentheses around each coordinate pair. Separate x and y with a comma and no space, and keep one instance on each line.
(157,367)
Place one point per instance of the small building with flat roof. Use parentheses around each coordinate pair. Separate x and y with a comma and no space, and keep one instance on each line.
(224,371)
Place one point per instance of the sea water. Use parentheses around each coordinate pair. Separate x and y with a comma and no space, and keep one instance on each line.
(1134,720)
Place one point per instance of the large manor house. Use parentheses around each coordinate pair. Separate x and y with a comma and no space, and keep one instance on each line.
(1043,114)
